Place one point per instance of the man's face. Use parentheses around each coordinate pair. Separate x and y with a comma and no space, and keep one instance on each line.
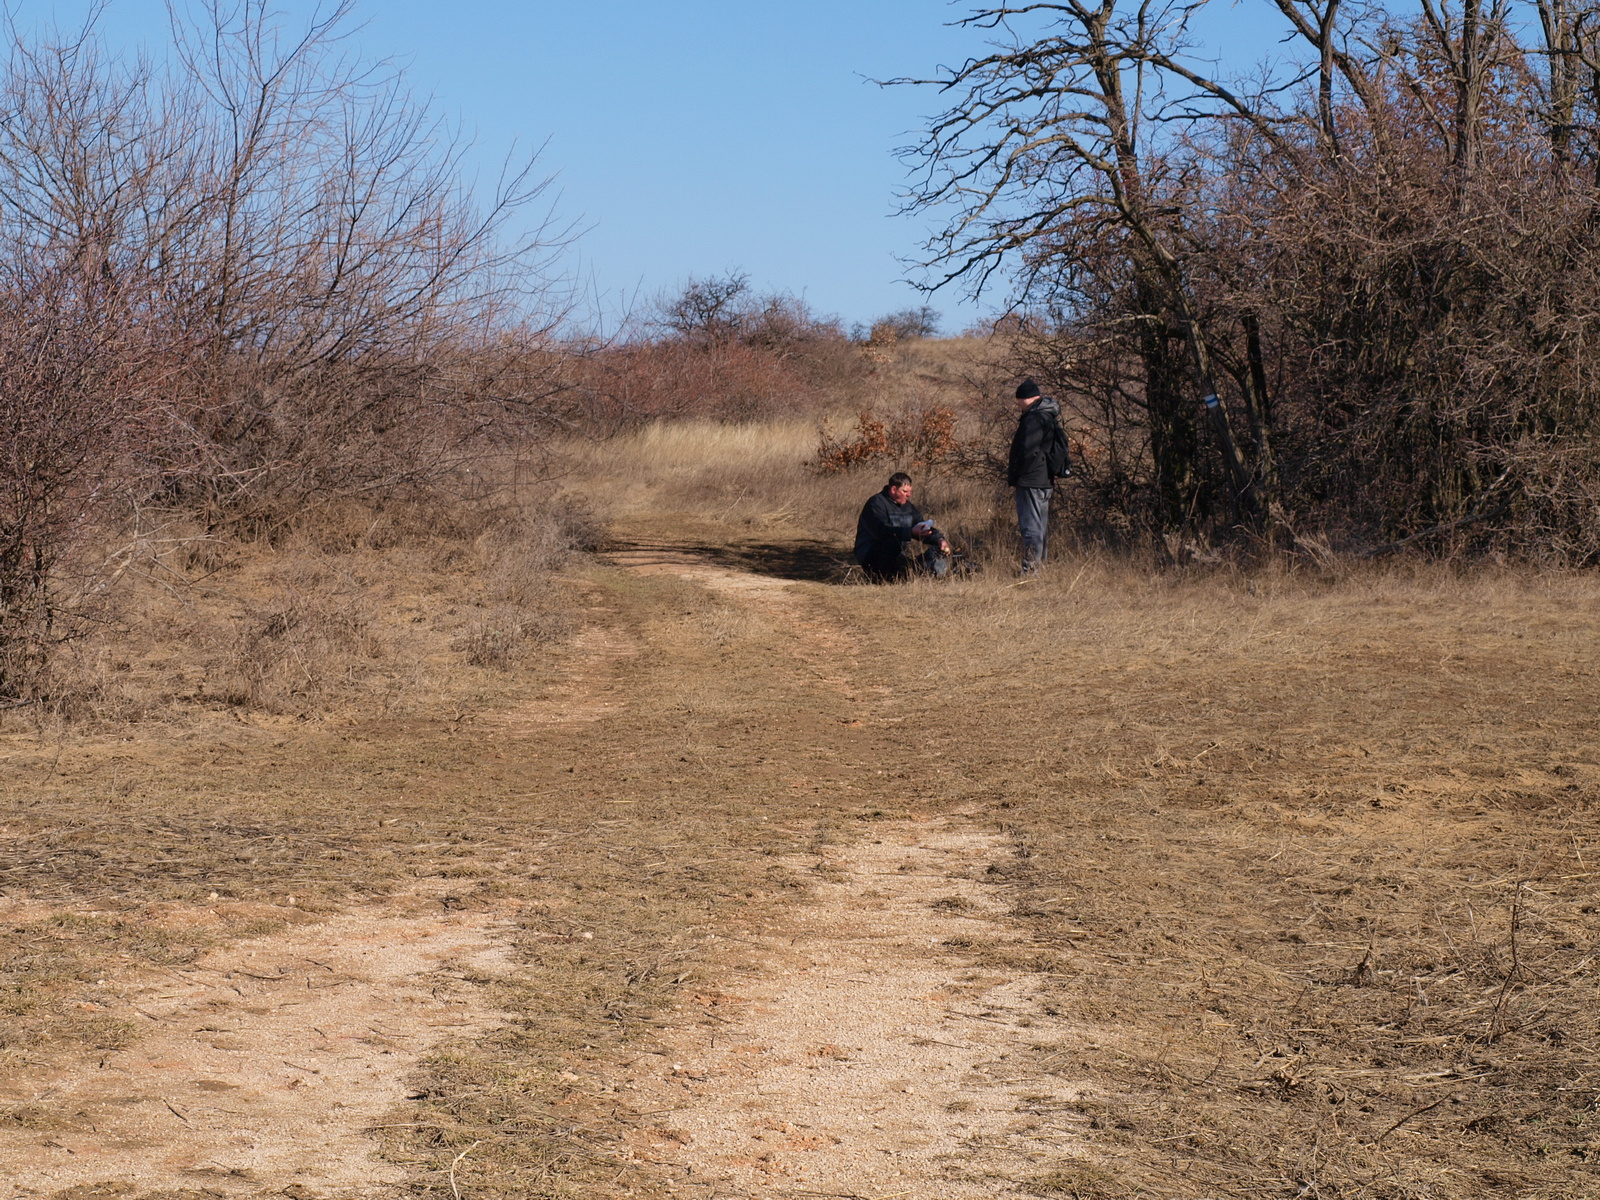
(901,493)
(1025,405)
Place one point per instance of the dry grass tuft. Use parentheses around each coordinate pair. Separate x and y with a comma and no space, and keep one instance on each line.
(353,607)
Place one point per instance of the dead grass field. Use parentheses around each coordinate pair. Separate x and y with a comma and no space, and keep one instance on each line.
(1302,865)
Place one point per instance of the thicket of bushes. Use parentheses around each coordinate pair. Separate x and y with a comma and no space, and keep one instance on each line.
(1384,271)
(718,349)
(235,281)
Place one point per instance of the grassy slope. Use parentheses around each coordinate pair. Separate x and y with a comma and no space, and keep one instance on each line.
(1314,852)
(1316,863)
(1308,859)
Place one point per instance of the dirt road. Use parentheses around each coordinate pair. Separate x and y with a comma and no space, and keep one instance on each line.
(860,1045)
(863,1049)
(760,886)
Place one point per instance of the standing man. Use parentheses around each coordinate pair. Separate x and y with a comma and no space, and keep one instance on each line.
(888,523)
(1038,457)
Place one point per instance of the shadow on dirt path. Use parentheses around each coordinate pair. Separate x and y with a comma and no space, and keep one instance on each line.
(805,559)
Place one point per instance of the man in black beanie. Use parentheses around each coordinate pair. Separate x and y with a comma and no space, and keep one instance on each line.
(1037,442)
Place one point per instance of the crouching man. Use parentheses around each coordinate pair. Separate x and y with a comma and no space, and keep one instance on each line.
(889,523)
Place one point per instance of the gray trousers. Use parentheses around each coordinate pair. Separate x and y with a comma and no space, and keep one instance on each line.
(1033,523)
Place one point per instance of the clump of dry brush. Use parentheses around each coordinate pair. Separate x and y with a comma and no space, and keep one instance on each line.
(1354,300)
(240,282)
(717,349)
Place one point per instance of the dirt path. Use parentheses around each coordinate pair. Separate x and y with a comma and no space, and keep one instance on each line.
(872,1052)
(871,1055)
(262,1063)
(824,648)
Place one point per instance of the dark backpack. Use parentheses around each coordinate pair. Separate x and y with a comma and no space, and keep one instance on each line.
(1057,459)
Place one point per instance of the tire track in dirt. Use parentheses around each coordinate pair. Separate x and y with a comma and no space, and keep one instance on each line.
(264,1063)
(871,1054)
(588,689)
(267,1063)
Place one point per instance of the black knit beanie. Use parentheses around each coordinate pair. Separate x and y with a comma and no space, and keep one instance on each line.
(1027,390)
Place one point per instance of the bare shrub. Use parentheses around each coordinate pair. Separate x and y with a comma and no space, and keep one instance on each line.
(287,654)
(500,638)
(717,349)
(241,283)
(718,309)
(712,309)
(727,381)
(523,552)
(532,612)
(338,270)
(288,224)
(919,436)
(76,411)
(908,324)
(520,550)
(494,641)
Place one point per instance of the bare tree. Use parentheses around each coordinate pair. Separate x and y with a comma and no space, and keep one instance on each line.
(333,256)
(1469,41)
(1056,163)
(711,309)
(1384,259)
(908,323)
(251,279)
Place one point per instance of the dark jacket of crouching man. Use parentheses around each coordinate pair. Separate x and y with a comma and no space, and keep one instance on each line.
(888,523)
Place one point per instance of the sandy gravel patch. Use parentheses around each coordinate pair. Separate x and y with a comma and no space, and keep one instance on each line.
(260,1066)
(872,1055)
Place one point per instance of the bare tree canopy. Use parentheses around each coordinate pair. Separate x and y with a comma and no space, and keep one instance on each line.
(1353,302)
(244,278)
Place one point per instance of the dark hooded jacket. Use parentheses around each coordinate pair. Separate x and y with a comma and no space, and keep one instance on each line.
(1028,467)
(883,530)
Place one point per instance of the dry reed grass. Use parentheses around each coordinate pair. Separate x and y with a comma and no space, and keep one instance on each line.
(754,487)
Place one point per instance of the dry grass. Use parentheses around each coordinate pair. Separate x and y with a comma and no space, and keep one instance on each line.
(1314,850)
(751,490)
(355,608)
(1315,859)
(1308,857)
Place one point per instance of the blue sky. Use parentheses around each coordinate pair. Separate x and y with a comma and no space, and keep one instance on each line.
(686,138)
